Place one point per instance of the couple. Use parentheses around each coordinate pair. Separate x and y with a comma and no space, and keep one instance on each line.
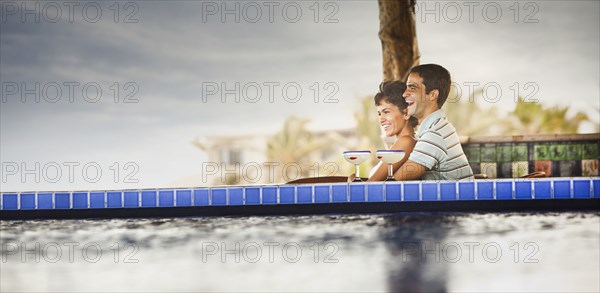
(435,153)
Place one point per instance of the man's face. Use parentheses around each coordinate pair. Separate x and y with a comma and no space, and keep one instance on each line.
(415,96)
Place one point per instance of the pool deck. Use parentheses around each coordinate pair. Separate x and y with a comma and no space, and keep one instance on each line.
(493,195)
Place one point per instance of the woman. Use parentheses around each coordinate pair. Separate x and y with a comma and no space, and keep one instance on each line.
(394,119)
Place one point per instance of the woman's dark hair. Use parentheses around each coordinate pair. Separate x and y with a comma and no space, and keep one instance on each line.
(391,91)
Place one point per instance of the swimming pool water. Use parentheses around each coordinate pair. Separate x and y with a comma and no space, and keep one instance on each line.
(409,252)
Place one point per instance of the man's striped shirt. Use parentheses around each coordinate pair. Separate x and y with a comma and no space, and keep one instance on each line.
(438,148)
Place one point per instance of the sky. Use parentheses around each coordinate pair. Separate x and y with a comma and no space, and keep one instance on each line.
(107,95)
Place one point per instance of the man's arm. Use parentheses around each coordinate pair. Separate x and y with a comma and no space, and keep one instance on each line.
(428,151)
(410,171)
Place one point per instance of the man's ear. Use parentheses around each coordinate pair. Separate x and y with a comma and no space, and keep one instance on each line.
(434,95)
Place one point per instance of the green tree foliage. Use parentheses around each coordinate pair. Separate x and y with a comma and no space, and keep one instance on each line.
(368,128)
(534,118)
(296,145)
(527,118)
(469,118)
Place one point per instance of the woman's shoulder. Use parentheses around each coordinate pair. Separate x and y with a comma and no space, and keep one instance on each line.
(407,138)
(404,142)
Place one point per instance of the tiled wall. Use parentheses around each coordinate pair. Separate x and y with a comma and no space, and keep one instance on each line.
(514,159)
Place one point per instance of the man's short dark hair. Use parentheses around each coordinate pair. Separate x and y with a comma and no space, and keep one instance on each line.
(435,77)
(391,91)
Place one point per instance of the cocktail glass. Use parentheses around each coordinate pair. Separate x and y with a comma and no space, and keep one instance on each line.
(390,157)
(357,158)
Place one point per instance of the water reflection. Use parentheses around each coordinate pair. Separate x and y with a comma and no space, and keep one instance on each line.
(396,252)
(414,244)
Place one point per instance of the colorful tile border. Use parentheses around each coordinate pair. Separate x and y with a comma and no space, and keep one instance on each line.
(515,159)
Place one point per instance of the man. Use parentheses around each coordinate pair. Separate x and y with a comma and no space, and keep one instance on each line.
(438,153)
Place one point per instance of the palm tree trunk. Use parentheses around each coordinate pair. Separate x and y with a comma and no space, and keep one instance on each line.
(398,37)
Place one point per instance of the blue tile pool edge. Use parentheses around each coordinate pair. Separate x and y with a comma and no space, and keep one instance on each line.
(503,189)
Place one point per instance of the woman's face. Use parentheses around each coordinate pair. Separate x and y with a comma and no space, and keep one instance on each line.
(390,118)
